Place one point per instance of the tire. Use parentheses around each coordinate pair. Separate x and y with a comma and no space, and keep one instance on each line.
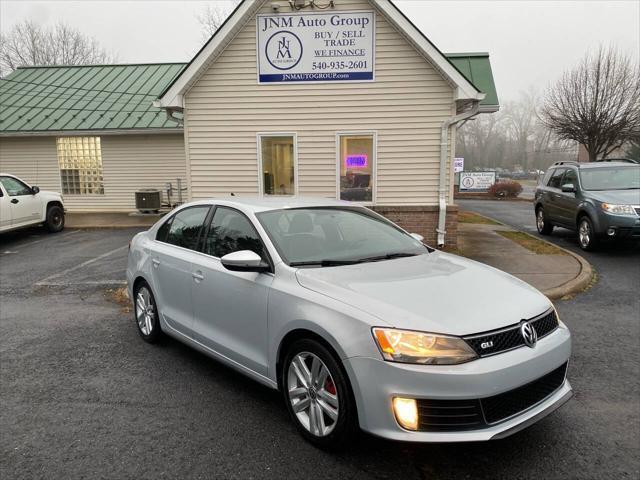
(334,390)
(542,224)
(586,234)
(145,313)
(54,221)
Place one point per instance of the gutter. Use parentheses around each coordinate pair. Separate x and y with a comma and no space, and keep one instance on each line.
(444,144)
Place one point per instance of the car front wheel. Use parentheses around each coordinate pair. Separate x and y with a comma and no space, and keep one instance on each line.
(55,219)
(542,224)
(318,396)
(146,313)
(586,234)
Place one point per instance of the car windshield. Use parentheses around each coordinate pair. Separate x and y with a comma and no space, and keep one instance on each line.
(611,178)
(331,236)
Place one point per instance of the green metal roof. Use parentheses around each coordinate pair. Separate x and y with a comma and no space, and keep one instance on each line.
(120,97)
(85,98)
(477,68)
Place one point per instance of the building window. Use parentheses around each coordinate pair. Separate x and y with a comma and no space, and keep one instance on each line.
(80,161)
(278,164)
(357,167)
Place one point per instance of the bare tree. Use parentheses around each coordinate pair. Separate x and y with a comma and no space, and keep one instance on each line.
(597,103)
(29,44)
(213,16)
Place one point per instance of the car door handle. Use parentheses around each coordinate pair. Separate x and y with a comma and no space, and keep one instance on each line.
(155,262)
(198,276)
(15,200)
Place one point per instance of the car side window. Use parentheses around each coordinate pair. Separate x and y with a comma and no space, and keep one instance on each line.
(230,232)
(570,177)
(185,227)
(556,178)
(161,235)
(15,187)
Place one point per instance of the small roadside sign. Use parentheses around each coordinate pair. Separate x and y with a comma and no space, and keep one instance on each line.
(476,181)
(458,165)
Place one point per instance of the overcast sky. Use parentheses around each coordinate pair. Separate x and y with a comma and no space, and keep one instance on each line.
(530,42)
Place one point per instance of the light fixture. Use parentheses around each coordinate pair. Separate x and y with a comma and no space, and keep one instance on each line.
(406,412)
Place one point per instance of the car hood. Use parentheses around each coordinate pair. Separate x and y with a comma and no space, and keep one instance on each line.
(618,197)
(435,292)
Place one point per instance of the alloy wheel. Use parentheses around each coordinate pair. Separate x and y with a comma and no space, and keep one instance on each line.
(540,220)
(145,311)
(312,393)
(584,233)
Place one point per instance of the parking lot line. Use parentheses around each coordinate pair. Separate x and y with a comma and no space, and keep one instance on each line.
(47,280)
(28,244)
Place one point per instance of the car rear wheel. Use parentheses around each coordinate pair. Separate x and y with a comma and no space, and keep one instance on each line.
(586,234)
(542,224)
(55,219)
(146,313)
(318,396)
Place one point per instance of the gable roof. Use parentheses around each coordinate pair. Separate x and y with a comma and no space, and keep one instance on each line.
(85,98)
(172,96)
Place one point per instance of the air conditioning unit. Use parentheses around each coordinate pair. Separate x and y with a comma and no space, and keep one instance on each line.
(148,200)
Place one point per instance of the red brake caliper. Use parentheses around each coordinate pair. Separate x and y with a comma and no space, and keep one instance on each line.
(329,386)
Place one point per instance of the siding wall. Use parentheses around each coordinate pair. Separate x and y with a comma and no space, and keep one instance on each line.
(129,162)
(406,106)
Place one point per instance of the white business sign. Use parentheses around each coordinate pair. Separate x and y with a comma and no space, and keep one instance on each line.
(458,165)
(316,47)
(477,181)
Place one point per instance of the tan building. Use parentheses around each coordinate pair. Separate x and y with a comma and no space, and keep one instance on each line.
(350,102)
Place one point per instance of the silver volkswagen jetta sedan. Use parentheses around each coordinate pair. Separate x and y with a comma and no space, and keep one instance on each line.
(356,321)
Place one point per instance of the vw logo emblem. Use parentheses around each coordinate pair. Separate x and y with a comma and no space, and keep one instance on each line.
(529,334)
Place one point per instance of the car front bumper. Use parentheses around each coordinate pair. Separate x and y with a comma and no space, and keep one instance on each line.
(376,382)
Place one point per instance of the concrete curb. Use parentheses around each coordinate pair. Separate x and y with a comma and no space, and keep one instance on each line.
(576,285)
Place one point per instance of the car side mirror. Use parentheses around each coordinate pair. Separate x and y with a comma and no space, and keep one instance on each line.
(35,190)
(417,236)
(244,261)
(569,188)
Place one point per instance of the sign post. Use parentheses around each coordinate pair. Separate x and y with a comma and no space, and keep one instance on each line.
(316,47)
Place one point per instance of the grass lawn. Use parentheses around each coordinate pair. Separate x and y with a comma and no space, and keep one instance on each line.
(470,217)
(532,243)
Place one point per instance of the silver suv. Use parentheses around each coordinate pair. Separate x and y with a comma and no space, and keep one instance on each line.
(354,320)
(598,200)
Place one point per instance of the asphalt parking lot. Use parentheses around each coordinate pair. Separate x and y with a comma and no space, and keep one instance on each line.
(84,397)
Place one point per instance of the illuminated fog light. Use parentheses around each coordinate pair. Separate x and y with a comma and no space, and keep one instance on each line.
(406,412)
(611,232)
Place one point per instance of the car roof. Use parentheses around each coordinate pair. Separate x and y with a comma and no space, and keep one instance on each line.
(263,204)
(582,165)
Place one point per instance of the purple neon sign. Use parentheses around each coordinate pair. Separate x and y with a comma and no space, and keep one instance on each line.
(356,161)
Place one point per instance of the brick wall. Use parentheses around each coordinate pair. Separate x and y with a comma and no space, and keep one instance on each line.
(423,219)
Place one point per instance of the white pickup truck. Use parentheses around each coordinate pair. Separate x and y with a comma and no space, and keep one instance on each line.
(22,205)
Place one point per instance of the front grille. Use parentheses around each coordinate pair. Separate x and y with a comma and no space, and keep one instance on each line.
(474,414)
(505,405)
(497,341)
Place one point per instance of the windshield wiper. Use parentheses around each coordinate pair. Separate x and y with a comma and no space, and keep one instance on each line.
(388,256)
(323,263)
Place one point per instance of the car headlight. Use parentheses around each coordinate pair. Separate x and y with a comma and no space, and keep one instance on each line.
(420,347)
(618,209)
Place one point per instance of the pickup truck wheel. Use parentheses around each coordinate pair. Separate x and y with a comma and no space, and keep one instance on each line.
(542,224)
(586,234)
(55,219)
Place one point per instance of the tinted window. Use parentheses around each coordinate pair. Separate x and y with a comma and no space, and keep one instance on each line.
(163,231)
(556,178)
(230,232)
(570,177)
(185,227)
(14,187)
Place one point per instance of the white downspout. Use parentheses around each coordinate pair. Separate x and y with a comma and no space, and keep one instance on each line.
(444,150)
